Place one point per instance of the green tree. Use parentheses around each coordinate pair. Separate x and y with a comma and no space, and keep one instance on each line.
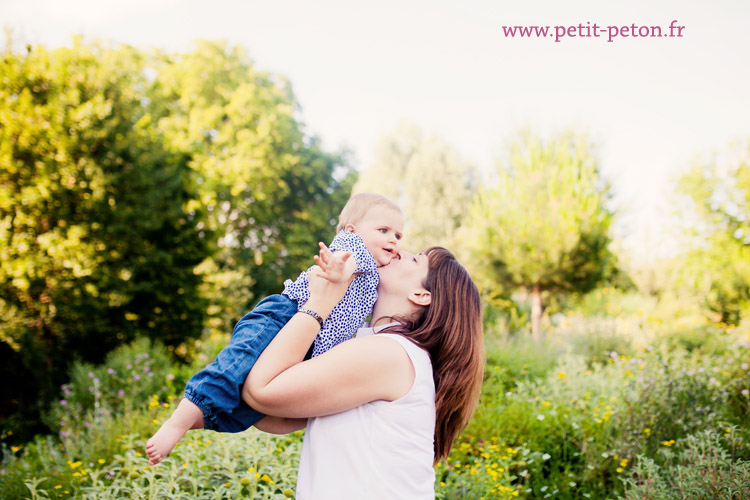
(426,176)
(543,225)
(717,265)
(96,243)
(268,191)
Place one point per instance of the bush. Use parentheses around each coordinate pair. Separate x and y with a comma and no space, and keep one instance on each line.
(703,470)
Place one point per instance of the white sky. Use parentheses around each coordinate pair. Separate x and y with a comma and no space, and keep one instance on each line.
(358,68)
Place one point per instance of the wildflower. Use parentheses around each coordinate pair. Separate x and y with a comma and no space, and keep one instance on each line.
(91,374)
(120,393)
(744,366)
(745,392)
(546,456)
(561,375)
(540,417)
(58,486)
(101,460)
(619,469)
(111,371)
(668,443)
(170,377)
(63,402)
(155,421)
(15,448)
(74,465)
(647,431)
(624,462)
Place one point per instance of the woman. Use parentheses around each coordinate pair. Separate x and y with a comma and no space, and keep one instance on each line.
(384,407)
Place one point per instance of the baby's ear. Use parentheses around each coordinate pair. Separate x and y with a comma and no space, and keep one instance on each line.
(349,228)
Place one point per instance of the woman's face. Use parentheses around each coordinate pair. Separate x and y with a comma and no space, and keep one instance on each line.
(405,274)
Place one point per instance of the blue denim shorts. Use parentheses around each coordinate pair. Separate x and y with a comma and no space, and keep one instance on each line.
(217,389)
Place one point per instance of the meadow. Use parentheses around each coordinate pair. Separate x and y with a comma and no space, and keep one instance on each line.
(626,397)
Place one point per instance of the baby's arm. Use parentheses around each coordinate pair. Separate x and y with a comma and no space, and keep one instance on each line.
(336,267)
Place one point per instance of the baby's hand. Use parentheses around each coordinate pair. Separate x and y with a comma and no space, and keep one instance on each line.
(336,267)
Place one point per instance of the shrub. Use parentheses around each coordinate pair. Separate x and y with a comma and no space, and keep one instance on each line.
(703,470)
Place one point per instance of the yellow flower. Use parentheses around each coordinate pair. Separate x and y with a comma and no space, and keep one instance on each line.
(619,469)
(58,486)
(74,465)
(668,443)
(647,431)
(267,479)
(101,460)
(155,421)
(15,448)
(624,462)
(561,375)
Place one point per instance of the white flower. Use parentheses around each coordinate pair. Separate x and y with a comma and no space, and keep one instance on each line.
(540,417)
(546,456)
(744,366)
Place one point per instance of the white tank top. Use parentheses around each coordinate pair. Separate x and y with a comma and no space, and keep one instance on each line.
(380,450)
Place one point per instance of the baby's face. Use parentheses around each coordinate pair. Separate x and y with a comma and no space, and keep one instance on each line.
(381,229)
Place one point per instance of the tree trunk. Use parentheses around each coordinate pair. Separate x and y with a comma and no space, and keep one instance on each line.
(536,313)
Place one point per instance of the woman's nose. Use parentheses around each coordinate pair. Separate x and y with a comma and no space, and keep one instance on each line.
(403,254)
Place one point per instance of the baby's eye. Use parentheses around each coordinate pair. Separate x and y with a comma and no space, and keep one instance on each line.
(383,230)
(398,236)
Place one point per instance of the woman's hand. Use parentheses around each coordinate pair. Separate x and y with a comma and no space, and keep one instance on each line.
(329,280)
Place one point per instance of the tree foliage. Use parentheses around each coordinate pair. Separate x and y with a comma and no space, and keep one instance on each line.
(427,178)
(717,266)
(543,224)
(96,245)
(268,191)
(142,193)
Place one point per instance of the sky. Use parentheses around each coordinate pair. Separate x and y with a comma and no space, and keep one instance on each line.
(653,105)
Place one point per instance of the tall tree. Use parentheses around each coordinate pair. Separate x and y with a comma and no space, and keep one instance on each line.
(426,176)
(96,243)
(717,265)
(543,224)
(268,191)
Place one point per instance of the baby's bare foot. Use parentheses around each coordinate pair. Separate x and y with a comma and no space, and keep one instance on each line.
(165,439)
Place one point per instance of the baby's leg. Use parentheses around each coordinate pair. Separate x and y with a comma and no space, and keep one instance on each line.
(187,416)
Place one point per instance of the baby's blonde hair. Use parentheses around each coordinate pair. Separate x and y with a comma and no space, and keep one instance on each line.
(359,204)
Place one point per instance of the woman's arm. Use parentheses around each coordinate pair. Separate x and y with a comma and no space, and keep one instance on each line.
(353,373)
(280,425)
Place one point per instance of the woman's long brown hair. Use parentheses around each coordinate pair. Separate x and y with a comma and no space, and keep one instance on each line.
(450,330)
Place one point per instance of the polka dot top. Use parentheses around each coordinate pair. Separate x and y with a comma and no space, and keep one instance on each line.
(349,314)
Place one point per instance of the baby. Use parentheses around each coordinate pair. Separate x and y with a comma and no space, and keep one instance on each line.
(370,227)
